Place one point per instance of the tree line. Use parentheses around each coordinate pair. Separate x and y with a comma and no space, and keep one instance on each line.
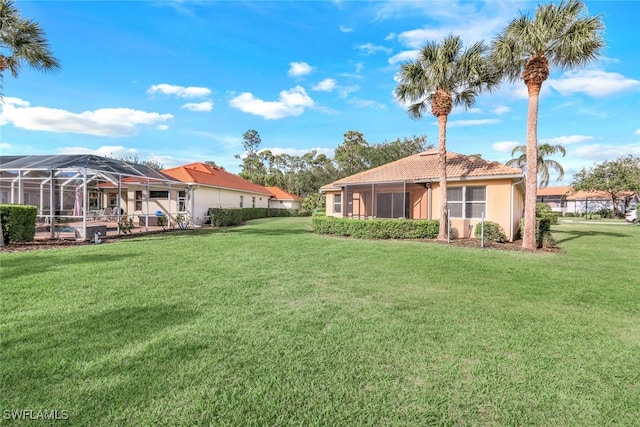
(303,175)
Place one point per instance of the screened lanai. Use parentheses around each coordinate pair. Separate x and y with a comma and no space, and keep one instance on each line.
(82,188)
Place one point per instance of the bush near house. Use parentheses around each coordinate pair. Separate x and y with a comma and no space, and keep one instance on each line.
(376,228)
(543,210)
(492,232)
(18,223)
(543,231)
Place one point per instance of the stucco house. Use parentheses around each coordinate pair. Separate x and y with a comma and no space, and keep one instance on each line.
(565,200)
(212,187)
(409,188)
(281,199)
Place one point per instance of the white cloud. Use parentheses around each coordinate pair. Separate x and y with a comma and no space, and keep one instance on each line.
(600,152)
(476,122)
(291,103)
(8,100)
(502,109)
(346,29)
(505,146)
(366,103)
(326,85)
(298,69)
(180,91)
(406,56)
(566,140)
(5,145)
(370,48)
(595,83)
(115,151)
(198,106)
(110,122)
(637,132)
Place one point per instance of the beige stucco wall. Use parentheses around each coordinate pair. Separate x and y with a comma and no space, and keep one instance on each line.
(500,210)
(498,206)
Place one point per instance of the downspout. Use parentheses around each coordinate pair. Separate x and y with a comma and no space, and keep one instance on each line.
(511,208)
(429,202)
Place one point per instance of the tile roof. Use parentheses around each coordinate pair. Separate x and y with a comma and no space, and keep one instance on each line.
(578,195)
(423,167)
(583,195)
(203,174)
(554,191)
(280,194)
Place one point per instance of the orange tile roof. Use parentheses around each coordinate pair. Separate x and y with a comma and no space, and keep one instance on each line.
(280,194)
(200,173)
(423,167)
(583,195)
(554,191)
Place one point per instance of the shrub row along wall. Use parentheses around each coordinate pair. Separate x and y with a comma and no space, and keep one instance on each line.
(18,223)
(376,228)
(226,217)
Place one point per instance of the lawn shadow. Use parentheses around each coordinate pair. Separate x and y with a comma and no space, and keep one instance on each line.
(14,268)
(576,234)
(106,360)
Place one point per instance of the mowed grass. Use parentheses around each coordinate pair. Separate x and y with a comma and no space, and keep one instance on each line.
(269,324)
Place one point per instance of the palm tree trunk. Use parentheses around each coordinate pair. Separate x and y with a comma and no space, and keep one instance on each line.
(529,237)
(442,175)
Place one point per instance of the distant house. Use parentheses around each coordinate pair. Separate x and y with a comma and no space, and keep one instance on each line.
(281,199)
(212,187)
(565,200)
(409,188)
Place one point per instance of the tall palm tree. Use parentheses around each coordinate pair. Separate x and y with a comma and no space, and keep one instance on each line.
(544,164)
(561,35)
(22,41)
(445,75)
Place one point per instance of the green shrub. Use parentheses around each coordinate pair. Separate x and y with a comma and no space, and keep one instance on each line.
(543,231)
(225,217)
(604,213)
(18,223)
(492,232)
(376,228)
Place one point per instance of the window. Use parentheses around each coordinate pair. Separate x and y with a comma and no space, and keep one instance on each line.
(182,201)
(138,206)
(241,201)
(337,203)
(154,194)
(253,202)
(113,200)
(4,198)
(392,205)
(467,202)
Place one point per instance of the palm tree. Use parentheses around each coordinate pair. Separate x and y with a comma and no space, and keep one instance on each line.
(544,164)
(443,76)
(23,41)
(560,35)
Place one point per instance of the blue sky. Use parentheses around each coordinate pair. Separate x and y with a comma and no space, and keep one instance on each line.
(181,81)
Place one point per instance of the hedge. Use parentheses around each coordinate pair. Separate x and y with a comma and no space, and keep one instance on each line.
(18,223)
(376,228)
(226,217)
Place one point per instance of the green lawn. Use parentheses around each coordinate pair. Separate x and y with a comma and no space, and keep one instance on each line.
(268,324)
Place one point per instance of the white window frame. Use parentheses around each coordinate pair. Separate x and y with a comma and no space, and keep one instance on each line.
(337,203)
(464,203)
(241,201)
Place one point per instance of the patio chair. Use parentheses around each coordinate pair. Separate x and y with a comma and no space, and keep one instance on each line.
(106,214)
